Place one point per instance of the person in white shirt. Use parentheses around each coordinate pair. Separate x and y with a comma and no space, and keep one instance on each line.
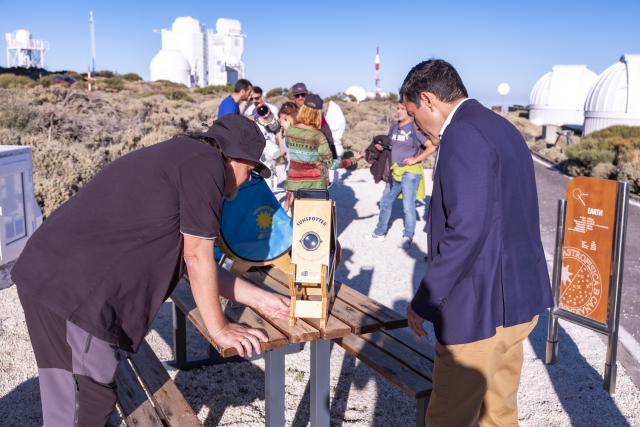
(272,150)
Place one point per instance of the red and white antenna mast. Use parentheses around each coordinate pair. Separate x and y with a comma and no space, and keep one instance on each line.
(377,64)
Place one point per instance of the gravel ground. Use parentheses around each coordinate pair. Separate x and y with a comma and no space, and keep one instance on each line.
(568,393)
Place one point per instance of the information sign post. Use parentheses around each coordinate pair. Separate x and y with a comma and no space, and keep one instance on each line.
(588,263)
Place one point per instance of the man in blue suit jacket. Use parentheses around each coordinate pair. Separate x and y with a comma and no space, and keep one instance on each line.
(487,278)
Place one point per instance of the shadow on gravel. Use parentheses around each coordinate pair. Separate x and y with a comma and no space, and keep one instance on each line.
(21,406)
(214,391)
(346,211)
(577,384)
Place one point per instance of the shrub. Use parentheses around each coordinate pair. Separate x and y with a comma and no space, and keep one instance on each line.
(609,153)
(603,170)
(178,95)
(393,97)
(8,81)
(131,77)
(112,84)
(612,145)
(276,91)
(212,90)
(103,73)
(18,117)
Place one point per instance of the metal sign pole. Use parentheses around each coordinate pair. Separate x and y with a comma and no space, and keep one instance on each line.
(552,334)
(622,211)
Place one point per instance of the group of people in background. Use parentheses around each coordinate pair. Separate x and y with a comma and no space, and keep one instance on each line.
(300,136)
(304,142)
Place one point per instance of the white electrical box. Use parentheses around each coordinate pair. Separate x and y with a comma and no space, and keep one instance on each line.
(20,214)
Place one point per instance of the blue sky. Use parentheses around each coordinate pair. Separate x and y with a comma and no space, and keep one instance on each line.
(330,45)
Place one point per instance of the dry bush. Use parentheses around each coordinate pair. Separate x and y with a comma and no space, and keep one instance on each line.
(74,133)
(9,81)
(617,145)
(528,130)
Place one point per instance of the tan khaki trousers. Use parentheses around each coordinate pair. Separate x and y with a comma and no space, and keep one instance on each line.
(477,383)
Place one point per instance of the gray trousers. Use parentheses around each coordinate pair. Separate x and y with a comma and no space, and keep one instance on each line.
(76,370)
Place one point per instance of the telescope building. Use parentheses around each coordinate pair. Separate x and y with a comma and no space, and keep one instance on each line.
(196,56)
(615,97)
(558,97)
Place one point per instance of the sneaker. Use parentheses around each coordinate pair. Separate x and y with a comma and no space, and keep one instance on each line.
(405,243)
(374,236)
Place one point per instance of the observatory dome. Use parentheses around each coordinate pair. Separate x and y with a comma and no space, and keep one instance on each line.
(23,36)
(558,97)
(615,98)
(170,65)
(357,92)
(186,24)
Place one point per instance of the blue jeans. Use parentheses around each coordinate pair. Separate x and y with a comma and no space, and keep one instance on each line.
(408,186)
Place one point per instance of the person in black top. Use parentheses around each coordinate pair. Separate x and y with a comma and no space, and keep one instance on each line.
(94,275)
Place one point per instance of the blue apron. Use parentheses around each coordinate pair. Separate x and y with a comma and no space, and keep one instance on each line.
(254,226)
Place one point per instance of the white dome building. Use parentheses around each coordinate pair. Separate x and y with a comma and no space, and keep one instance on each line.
(171,65)
(358,92)
(558,97)
(615,98)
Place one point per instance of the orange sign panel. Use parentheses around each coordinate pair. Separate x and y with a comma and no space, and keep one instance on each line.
(588,244)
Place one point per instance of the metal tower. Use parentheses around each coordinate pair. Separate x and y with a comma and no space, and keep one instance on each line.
(24,51)
(92,31)
(377,64)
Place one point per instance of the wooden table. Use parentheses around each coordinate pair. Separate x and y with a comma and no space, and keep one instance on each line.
(352,312)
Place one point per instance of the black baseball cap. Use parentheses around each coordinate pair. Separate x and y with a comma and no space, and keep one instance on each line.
(240,138)
(298,89)
(313,101)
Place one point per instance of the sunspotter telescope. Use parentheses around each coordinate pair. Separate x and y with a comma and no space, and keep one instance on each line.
(313,256)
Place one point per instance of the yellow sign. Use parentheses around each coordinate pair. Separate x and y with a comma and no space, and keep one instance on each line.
(588,243)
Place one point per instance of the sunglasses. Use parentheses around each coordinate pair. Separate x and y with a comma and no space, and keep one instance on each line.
(300,95)
(256,99)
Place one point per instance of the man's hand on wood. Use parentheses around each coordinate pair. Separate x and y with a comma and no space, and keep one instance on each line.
(240,337)
(416,323)
(273,305)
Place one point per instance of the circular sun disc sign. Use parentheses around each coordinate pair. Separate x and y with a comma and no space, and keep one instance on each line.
(310,241)
(504,88)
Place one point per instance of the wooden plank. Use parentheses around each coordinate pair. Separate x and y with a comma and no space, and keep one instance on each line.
(166,395)
(245,315)
(183,299)
(301,332)
(388,318)
(407,380)
(420,345)
(359,322)
(417,362)
(137,408)
(335,327)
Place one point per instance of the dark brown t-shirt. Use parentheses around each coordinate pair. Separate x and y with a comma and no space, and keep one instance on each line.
(111,255)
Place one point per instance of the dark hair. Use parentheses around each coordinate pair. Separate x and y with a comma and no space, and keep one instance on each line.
(289,108)
(242,84)
(436,76)
(257,89)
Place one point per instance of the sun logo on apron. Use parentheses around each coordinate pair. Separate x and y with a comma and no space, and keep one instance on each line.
(264,219)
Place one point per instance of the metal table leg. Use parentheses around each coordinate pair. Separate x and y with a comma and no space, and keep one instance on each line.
(274,387)
(320,355)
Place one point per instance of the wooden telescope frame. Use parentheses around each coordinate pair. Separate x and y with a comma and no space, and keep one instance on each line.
(312,270)
(311,278)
